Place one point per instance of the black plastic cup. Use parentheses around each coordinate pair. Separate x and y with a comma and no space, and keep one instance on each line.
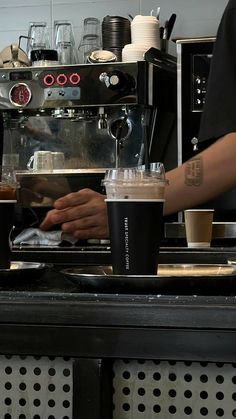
(135,198)
(7,213)
(135,232)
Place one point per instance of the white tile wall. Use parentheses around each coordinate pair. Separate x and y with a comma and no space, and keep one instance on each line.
(78,11)
(194,18)
(15,17)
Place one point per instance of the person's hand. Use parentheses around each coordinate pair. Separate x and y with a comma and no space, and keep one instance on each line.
(82,213)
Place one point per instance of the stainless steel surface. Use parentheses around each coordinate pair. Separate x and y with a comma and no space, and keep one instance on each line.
(68,86)
(77,111)
(25,265)
(59,172)
(176,279)
(182,270)
(89,271)
(232,261)
(41,188)
(194,40)
(164,270)
(220,230)
(82,140)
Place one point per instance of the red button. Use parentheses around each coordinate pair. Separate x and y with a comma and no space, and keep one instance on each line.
(74,78)
(61,79)
(49,79)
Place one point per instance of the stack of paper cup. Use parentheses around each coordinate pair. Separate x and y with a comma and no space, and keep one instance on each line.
(145,34)
(134,52)
(146,30)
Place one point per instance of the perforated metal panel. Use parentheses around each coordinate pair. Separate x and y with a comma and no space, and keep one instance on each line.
(35,388)
(178,390)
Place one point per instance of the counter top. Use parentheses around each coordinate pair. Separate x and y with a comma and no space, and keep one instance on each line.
(53,315)
(50,317)
(101,254)
(118,310)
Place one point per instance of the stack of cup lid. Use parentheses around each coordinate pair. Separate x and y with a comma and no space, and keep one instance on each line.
(102,56)
(145,34)
(115,34)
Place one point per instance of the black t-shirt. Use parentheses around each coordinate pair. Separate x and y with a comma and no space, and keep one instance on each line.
(219,114)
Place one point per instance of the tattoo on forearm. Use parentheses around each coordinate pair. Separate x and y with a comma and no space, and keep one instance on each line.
(194,172)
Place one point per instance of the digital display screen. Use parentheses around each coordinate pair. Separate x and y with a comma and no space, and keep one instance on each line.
(20,75)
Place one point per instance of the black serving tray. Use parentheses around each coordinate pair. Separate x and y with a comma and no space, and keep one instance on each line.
(23,272)
(177,279)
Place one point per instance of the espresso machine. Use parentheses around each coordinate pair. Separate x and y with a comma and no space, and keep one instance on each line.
(99,116)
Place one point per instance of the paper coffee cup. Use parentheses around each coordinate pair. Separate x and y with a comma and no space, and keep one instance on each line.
(198,226)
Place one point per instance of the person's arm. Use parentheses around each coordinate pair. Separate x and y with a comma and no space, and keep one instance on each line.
(203,177)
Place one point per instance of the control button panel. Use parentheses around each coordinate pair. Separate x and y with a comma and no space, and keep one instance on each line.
(200,73)
(60,85)
(59,93)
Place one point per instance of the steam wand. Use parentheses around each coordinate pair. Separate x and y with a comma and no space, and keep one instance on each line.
(144,123)
(118,137)
(1,141)
(102,121)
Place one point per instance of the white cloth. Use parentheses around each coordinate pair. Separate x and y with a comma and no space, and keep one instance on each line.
(35,236)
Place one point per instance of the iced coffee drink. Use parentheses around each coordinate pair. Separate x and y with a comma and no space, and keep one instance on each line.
(135,201)
(7,211)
